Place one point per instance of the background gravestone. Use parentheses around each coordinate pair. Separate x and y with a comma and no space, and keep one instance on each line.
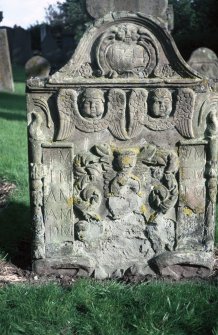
(157,8)
(123,157)
(205,62)
(37,66)
(6,79)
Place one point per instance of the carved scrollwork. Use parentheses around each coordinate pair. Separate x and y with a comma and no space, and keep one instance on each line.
(87,197)
(122,171)
(127,50)
(164,164)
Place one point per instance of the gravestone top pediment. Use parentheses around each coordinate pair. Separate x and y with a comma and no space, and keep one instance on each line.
(123,157)
(124,46)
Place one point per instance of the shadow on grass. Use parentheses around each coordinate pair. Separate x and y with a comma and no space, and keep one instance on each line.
(16,234)
(14,102)
(19,74)
(12,116)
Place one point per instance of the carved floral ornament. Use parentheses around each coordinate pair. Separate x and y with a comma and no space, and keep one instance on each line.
(125,113)
(125,45)
(127,50)
(138,177)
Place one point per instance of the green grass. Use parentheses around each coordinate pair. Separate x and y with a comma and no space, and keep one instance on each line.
(90,308)
(15,230)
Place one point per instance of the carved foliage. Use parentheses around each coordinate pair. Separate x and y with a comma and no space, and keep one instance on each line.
(123,172)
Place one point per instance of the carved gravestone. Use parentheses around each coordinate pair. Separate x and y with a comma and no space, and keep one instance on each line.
(6,79)
(205,61)
(123,157)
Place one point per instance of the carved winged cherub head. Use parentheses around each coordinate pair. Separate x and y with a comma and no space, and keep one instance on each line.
(161,103)
(92,103)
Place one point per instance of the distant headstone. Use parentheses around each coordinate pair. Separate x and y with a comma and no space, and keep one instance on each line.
(205,61)
(157,8)
(37,66)
(123,157)
(6,78)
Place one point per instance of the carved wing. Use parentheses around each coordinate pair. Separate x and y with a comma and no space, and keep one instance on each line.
(117,110)
(42,103)
(137,111)
(184,112)
(67,103)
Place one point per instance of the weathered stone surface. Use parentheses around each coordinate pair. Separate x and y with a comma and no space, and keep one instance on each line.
(6,78)
(205,61)
(123,157)
(37,66)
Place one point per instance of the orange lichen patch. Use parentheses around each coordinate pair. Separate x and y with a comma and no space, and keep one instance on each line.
(187,211)
(143,209)
(70,202)
(127,160)
(152,217)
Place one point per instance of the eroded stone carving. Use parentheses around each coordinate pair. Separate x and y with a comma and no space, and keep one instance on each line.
(126,50)
(137,181)
(161,105)
(123,157)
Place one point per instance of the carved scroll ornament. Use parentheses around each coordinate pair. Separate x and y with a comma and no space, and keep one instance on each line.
(126,50)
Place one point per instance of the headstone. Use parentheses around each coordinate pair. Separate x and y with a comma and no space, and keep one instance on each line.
(37,66)
(157,8)
(205,61)
(6,78)
(123,157)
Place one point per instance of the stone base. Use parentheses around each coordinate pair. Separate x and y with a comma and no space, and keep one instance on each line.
(176,265)
(180,265)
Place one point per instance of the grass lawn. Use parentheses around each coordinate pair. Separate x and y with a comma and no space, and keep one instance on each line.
(86,307)
(110,308)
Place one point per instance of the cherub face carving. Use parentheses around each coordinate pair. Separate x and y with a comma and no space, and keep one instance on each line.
(161,103)
(93,103)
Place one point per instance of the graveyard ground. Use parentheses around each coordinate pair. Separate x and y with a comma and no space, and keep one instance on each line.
(43,306)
